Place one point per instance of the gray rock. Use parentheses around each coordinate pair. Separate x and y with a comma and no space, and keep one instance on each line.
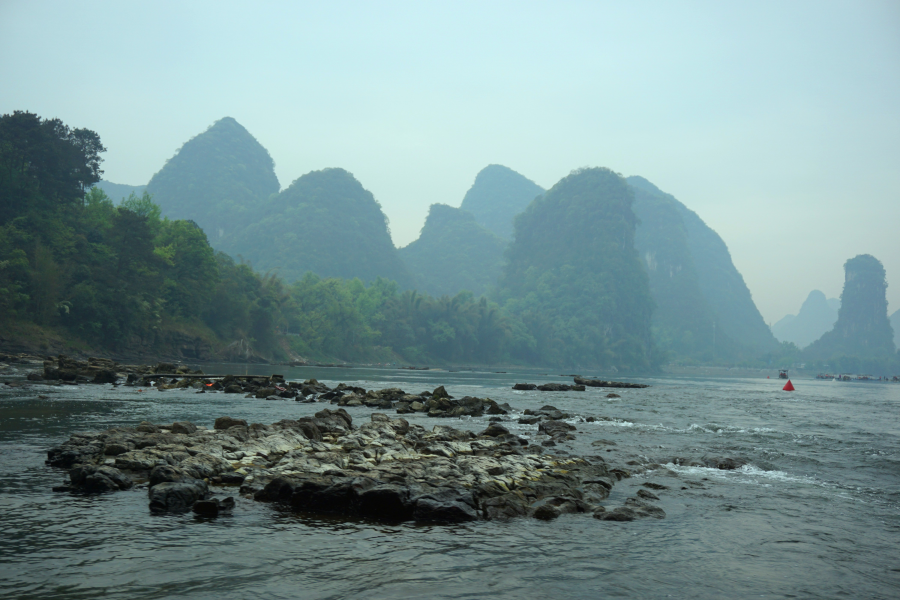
(176,496)
(495,429)
(617,514)
(554,428)
(440,392)
(95,479)
(546,512)
(655,486)
(213,507)
(185,427)
(647,495)
(429,510)
(228,422)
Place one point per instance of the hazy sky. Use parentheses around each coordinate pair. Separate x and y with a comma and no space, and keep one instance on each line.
(777,122)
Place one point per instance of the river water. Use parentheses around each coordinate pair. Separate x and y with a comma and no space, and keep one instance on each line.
(815,513)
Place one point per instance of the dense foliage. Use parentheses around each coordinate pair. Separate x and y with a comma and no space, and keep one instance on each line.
(344,318)
(119,191)
(862,329)
(44,165)
(454,253)
(720,282)
(119,277)
(574,277)
(217,179)
(326,223)
(497,196)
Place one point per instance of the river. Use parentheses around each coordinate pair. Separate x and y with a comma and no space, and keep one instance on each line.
(815,513)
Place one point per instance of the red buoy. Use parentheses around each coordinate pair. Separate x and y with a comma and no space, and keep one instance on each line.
(788,387)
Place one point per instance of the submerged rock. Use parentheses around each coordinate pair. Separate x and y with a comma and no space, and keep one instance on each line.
(171,496)
(608,384)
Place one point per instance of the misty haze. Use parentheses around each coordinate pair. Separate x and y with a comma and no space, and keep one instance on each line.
(389,300)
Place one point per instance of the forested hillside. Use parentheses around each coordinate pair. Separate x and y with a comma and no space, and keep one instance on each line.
(574,277)
(77,270)
(454,253)
(720,282)
(325,223)
(80,272)
(683,323)
(497,196)
(218,179)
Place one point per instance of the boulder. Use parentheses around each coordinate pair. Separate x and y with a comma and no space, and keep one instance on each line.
(105,376)
(617,514)
(554,428)
(213,507)
(646,495)
(185,427)
(95,479)
(445,505)
(228,422)
(146,427)
(176,496)
(494,430)
(440,392)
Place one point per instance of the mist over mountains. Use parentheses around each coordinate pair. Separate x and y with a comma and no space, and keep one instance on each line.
(895,324)
(817,315)
(325,222)
(497,196)
(704,308)
(119,191)
(574,276)
(219,179)
(453,253)
(862,328)
(600,266)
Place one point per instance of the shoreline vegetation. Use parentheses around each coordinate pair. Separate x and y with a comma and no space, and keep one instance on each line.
(83,275)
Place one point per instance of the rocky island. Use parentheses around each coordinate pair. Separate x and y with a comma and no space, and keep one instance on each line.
(385,469)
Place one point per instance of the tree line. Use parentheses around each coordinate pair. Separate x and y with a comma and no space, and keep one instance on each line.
(123,278)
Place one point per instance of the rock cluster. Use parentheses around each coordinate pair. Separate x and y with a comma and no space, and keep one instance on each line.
(608,384)
(549,387)
(435,404)
(386,469)
(100,370)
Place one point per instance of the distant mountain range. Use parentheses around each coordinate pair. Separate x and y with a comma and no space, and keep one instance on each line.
(817,315)
(327,223)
